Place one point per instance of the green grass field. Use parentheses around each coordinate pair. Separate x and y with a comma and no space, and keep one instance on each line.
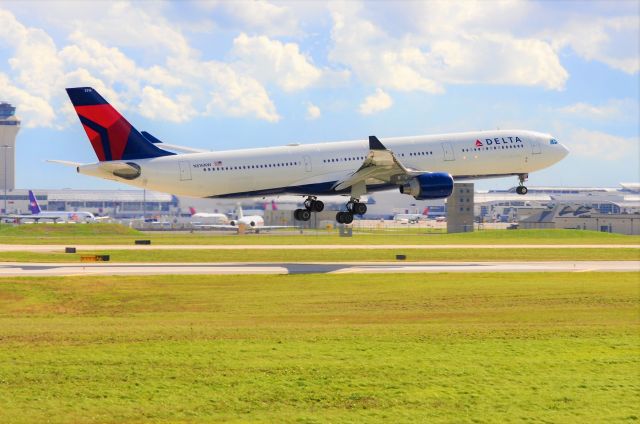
(321,348)
(334,255)
(78,234)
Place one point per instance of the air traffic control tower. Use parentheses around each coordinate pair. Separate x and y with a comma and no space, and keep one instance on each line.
(9,126)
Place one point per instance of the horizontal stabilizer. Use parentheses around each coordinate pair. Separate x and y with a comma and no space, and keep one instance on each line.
(173,147)
(65,162)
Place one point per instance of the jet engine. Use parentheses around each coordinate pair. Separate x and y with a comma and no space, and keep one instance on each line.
(431,185)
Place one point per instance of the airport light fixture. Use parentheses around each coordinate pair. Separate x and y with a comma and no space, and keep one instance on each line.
(6,147)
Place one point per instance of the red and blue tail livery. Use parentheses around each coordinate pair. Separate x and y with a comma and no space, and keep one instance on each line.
(111,135)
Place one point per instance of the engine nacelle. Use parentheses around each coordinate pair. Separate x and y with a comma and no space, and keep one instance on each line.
(431,185)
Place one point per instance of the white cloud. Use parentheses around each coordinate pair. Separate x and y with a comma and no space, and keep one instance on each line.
(237,95)
(182,87)
(134,25)
(376,102)
(614,41)
(33,111)
(454,43)
(261,17)
(272,60)
(155,104)
(613,110)
(601,145)
(35,64)
(313,111)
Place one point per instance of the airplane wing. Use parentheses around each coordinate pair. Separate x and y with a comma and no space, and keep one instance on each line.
(380,166)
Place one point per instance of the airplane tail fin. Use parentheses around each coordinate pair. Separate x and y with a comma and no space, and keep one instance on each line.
(111,135)
(274,207)
(425,211)
(192,210)
(239,213)
(33,204)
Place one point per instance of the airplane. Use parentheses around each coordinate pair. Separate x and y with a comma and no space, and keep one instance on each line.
(411,218)
(254,223)
(37,214)
(424,167)
(208,217)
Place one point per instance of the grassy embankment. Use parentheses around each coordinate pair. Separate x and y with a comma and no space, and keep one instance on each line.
(317,348)
(79,234)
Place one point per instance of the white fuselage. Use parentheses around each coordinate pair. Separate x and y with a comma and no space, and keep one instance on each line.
(60,216)
(314,168)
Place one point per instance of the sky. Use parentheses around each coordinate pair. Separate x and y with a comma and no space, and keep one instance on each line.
(222,75)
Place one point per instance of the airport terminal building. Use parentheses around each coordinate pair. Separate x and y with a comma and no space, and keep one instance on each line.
(118,204)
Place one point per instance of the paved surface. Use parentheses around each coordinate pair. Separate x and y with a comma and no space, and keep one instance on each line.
(95,247)
(65,269)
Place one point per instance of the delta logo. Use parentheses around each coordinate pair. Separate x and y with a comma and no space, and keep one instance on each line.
(498,140)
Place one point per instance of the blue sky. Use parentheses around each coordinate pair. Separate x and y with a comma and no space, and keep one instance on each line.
(223,75)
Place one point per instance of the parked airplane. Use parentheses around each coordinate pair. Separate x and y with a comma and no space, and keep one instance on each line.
(253,223)
(412,218)
(37,214)
(208,217)
(424,167)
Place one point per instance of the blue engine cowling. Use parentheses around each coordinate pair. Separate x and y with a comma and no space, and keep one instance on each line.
(431,185)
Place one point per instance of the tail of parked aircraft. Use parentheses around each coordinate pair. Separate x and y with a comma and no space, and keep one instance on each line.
(33,204)
(192,210)
(111,135)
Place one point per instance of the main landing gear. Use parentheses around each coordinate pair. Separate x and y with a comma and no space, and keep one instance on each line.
(521,189)
(312,204)
(354,207)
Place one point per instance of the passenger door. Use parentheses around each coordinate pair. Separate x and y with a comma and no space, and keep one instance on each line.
(185,171)
(448,152)
(307,163)
(535,147)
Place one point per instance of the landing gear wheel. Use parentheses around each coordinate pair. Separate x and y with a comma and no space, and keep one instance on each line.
(359,208)
(344,217)
(313,205)
(305,215)
(302,215)
(522,190)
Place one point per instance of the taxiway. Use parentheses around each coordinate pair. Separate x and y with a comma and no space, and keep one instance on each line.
(66,269)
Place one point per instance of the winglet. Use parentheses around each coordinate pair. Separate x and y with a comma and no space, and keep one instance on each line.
(375,144)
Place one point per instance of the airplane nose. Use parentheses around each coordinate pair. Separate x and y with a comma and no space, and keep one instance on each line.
(563,150)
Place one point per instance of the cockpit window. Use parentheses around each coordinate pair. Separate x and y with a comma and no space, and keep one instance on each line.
(553,141)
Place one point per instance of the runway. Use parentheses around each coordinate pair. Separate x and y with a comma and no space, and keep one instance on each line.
(98,247)
(12,269)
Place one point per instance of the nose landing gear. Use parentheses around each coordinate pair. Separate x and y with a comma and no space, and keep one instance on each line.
(521,189)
